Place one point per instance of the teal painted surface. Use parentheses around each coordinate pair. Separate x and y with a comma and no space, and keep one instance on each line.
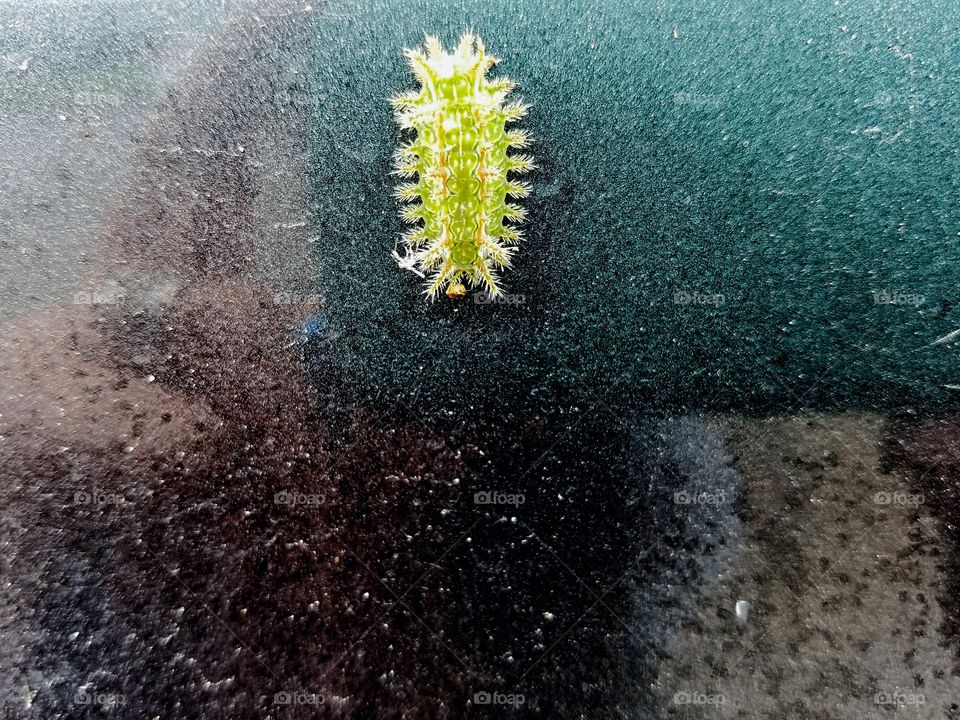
(774,166)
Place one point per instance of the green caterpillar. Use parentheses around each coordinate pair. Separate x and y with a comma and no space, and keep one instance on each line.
(460,160)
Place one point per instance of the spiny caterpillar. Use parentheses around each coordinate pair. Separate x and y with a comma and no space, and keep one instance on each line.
(460,160)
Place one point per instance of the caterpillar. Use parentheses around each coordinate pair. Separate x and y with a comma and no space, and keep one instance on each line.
(458,203)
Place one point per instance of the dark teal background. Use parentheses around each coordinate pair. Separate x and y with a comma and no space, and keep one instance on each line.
(792,157)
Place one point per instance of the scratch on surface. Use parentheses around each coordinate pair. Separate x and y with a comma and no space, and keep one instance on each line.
(946,338)
(892,138)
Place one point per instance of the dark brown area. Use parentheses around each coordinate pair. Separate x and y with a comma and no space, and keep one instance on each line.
(928,451)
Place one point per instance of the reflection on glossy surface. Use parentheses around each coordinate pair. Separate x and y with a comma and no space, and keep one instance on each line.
(204,513)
